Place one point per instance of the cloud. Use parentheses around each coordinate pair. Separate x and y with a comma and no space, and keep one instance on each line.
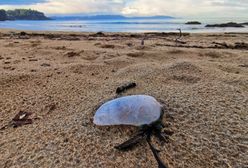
(73,6)
(186,7)
(139,7)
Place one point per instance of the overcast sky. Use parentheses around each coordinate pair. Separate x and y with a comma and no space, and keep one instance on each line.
(195,8)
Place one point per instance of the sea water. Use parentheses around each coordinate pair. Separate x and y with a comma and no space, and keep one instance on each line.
(123,25)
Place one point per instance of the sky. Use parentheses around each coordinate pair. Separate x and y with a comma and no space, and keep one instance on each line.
(183,8)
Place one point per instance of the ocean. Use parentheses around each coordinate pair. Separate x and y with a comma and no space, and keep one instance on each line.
(123,25)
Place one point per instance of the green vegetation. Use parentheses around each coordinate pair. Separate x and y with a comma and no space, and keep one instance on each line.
(3,15)
(22,14)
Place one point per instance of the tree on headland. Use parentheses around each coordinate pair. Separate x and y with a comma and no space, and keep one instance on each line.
(25,14)
(22,14)
(3,15)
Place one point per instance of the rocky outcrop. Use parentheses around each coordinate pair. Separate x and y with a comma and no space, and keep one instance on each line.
(193,23)
(229,24)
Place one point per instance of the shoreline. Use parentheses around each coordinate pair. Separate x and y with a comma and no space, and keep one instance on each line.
(138,32)
(130,26)
(9,30)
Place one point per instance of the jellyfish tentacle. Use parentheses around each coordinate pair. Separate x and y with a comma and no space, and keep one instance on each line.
(131,142)
(155,152)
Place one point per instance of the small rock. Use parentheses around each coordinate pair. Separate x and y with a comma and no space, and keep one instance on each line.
(9,68)
(129,44)
(108,46)
(229,24)
(33,59)
(66,140)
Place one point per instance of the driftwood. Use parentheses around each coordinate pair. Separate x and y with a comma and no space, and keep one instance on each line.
(178,40)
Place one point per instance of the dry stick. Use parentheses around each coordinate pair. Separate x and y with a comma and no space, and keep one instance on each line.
(143,41)
(180,35)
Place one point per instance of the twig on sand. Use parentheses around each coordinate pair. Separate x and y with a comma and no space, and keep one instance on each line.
(143,41)
(125,87)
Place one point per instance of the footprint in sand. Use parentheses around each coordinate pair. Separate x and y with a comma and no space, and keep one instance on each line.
(73,54)
(184,67)
(89,57)
(139,70)
(86,69)
(229,69)
(184,72)
(187,79)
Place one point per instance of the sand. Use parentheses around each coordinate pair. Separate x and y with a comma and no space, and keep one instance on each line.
(61,78)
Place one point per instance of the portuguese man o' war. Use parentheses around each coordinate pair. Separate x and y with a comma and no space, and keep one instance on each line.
(142,111)
(130,110)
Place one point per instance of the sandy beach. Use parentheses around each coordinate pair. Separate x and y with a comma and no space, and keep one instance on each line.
(61,78)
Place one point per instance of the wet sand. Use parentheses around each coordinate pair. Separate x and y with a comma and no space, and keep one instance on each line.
(61,78)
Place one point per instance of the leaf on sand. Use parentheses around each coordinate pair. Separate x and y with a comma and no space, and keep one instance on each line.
(22,118)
